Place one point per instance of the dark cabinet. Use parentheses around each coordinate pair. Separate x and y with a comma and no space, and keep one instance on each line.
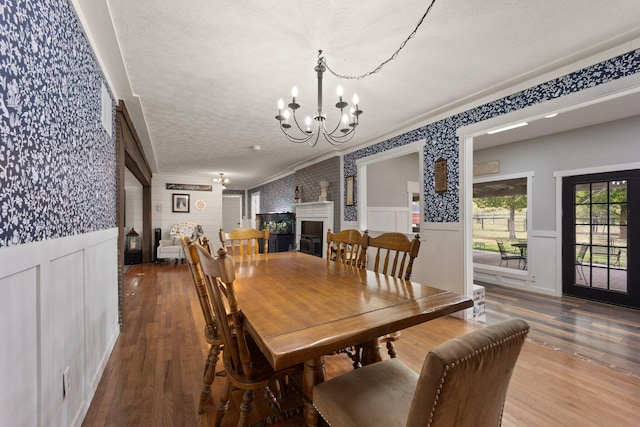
(281,227)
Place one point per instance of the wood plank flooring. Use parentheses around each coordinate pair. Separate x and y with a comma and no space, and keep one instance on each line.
(601,333)
(154,375)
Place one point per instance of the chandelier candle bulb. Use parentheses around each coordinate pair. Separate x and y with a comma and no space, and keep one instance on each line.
(285,120)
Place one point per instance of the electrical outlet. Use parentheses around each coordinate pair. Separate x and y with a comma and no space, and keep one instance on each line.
(66,382)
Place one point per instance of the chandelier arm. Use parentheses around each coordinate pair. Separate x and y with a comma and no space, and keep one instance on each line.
(295,120)
(336,141)
(391,58)
(314,142)
(296,139)
(337,125)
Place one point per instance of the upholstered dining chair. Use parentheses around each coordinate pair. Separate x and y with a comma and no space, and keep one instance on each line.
(463,383)
(394,256)
(344,246)
(210,329)
(245,365)
(245,240)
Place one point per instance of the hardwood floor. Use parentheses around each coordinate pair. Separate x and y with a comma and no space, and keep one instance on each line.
(601,333)
(154,375)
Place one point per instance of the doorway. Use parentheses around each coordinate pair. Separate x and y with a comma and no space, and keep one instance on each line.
(390,190)
(601,225)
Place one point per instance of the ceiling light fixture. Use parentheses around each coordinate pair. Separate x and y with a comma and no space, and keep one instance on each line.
(502,129)
(222,180)
(347,123)
(341,133)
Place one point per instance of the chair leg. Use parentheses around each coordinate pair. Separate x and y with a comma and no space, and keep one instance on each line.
(209,375)
(245,408)
(224,403)
(391,347)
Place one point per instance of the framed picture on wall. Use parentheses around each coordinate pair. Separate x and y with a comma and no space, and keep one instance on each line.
(349,191)
(180,202)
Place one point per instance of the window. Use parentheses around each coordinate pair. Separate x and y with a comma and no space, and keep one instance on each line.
(500,223)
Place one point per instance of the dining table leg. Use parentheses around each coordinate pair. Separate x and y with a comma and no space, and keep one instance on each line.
(314,373)
(371,352)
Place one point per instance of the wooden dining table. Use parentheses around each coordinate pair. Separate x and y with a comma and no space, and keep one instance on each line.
(299,307)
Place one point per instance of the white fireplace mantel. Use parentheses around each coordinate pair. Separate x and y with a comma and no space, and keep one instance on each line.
(314,211)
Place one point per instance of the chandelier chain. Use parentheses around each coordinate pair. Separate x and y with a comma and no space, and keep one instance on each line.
(391,58)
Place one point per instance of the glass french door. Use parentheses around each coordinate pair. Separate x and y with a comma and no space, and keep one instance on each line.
(601,223)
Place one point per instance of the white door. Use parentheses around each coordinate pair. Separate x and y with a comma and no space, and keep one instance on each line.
(255,207)
(231,212)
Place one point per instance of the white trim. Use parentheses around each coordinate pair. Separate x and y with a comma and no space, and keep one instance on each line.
(597,169)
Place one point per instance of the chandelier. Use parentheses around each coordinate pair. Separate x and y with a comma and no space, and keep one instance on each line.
(347,123)
(222,180)
(344,129)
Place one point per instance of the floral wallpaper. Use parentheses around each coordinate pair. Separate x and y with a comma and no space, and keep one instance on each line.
(441,135)
(57,163)
(276,196)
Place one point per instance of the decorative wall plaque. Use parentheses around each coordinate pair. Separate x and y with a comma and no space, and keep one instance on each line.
(486,168)
(440,172)
(189,187)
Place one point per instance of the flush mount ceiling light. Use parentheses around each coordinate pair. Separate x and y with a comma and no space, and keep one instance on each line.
(502,129)
(222,180)
(346,123)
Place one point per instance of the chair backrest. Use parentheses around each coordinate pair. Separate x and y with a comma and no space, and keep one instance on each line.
(344,246)
(582,252)
(394,255)
(219,276)
(501,247)
(245,240)
(193,260)
(464,381)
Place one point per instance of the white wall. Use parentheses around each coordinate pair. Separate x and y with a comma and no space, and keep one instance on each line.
(210,217)
(608,144)
(387,180)
(59,309)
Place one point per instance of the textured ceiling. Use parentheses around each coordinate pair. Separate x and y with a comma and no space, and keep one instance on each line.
(209,74)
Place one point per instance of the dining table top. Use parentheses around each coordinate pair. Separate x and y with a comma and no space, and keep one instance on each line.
(299,307)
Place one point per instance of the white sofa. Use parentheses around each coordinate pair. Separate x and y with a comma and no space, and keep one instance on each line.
(170,249)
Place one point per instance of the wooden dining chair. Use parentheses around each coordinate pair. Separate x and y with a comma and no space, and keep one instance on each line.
(394,253)
(245,240)
(344,246)
(210,329)
(394,256)
(463,383)
(246,366)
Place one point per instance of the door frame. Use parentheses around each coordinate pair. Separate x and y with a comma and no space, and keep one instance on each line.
(567,268)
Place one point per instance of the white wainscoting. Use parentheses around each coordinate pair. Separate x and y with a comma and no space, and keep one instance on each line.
(389,219)
(543,267)
(59,310)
